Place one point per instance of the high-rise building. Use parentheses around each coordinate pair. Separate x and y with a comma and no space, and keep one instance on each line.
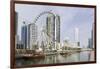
(16,22)
(57,19)
(76,36)
(91,39)
(92,35)
(89,43)
(53,29)
(16,29)
(50,26)
(24,35)
(32,36)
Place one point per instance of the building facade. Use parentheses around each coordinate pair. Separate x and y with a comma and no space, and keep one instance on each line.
(53,29)
(91,40)
(16,22)
(50,26)
(32,36)
(90,43)
(16,29)
(57,28)
(76,37)
(24,36)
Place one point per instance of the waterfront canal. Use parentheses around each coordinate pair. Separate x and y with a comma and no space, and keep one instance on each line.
(51,59)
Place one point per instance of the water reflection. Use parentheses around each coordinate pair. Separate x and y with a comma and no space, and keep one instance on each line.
(51,59)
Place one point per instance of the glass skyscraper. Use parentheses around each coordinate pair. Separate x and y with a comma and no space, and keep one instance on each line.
(53,28)
(50,26)
(57,28)
(24,36)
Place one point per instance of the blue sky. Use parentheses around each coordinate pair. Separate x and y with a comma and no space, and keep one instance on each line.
(71,18)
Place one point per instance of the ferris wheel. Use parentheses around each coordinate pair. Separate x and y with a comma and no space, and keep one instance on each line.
(43,38)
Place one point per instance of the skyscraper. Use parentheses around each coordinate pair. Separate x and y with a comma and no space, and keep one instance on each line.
(24,35)
(50,25)
(89,43)
(91,39)
(32,36)
(77,36)
(16,22)
(16,29)
(92,35)
(53,29)
(57,19)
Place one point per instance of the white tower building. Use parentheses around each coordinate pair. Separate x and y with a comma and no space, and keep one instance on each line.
(76,34)
(77,43)
(32,36)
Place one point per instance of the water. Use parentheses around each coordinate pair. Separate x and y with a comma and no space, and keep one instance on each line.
(52,59)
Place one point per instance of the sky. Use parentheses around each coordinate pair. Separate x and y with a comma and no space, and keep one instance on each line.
(71,18)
